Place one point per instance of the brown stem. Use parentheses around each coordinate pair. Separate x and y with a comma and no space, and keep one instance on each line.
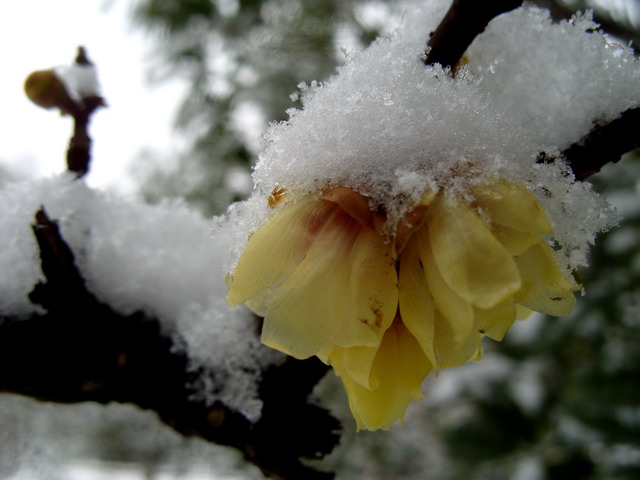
(465,20)
(79,151)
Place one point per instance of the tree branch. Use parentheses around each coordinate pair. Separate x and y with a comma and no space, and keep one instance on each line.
(605,143)
(463,22)
(82,350)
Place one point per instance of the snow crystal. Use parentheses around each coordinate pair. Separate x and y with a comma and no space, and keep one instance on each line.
(159,259)
(557,79)
(389,126)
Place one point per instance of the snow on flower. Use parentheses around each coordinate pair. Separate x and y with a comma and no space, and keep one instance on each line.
(400,216)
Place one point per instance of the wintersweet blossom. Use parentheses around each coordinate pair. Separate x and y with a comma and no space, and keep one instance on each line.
(385,309)
(400,215)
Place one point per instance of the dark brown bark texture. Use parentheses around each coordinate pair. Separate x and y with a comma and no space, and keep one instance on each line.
(80,349)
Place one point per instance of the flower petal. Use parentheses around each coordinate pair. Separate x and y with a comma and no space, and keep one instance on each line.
(315,301)
(455,310)
(413,220)
(470,259)
(353,203)
(373,284)
(495,322)
(275,250)
(513,205)
(545,288)
(416,306)
(400,367)
(515,241)
(449,353)
(356,363)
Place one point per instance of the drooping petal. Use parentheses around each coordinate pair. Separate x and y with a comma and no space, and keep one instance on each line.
(275,250)
(415,303)
(356,363)
(545,288)
(522,312)
(373,285)
(399,366)
(455,310)
(449,352)
(315,301)
(513,205)
(470,259)
(495,322)
(514,241)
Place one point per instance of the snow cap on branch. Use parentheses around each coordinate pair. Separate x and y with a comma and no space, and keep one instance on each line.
(403,212)
(137,257)
(390,127)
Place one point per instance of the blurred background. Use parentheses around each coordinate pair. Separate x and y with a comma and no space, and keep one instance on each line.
(191,85)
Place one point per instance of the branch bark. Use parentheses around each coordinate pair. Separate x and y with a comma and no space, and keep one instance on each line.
(82,350)
(605,143)
(463,22)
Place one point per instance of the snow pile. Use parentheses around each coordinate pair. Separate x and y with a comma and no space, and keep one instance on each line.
(557,80)
(390,127)
(138,257)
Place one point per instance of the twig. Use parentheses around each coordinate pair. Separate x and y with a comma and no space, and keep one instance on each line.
(79,151)
(603,144)
(463,22)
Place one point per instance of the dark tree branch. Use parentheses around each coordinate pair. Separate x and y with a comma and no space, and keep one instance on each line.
(603,144)
(81,350)
(465,20)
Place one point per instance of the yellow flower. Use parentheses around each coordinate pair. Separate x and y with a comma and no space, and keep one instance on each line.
(384,310)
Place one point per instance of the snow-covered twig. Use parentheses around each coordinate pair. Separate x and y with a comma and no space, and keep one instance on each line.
(603,144)
(464,21)
(79,151)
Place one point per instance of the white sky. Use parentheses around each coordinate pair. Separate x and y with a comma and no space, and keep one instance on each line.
(39,34)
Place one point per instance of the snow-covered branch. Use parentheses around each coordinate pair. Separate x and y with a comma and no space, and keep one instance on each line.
(464,21)
(82,350)
(604,144)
